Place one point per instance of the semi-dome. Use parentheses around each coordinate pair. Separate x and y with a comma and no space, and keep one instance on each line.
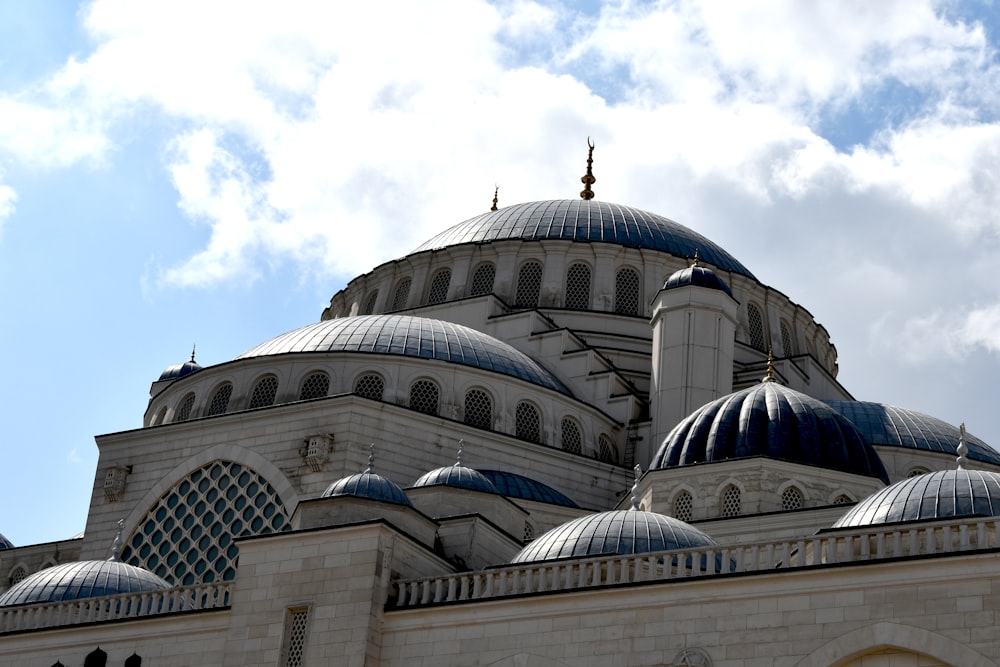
(617,532)
(457,476)
(586,220)
(775,421)
(513,485)
(180,370)
(697,276)
(409,336)
(893,426)
(937,495)
(82,579)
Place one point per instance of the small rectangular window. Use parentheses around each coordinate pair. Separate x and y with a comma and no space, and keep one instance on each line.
(293,648)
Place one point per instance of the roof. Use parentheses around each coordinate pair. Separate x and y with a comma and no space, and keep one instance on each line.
(775,421)
(513,485)
(457,476)
(368,485)
(180,370)
(593,221)
(698,276)
(82,579)
(409,336)
(5,543)
(616,532)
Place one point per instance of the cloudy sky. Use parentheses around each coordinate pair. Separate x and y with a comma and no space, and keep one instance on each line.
(187,172)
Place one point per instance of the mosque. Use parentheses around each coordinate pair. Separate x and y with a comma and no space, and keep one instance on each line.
(560,433)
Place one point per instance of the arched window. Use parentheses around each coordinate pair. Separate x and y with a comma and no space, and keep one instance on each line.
(369,306)
(370,386)
(917,472)
(842,499)
(527,423)
(184,411)
(606,449)
(439,286)
(756,322)
(401,295)
(159,416)
(220,400)
(578,286)
(683,506)
(482,279)
(627,298)
(264,392)
(786,340)
(529,282)
(18,574)
(424,397)
(478,409)
(571,441)
(529,532)
(317,385)
(791,499)
(731,501)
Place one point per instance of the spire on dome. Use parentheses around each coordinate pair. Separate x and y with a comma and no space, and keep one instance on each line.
(588,179)
(371,459)
(694,261)
(496,191)
(193,345)
(963,449)
(458,461)
(635,486)
(116,546)
(770,367)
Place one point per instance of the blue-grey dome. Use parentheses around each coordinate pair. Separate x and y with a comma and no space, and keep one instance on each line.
(368,485)
(180,370)
(699,276)
(937,495)
(82,579)
(594,221)
(5,543)
(889,425)
(457,476)
(512,485)
(411,337)
(772,420)
(616,532)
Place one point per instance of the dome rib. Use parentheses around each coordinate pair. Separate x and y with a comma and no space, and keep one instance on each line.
(82,579)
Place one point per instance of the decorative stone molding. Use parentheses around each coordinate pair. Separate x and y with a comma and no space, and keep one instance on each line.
(114,482)
(315,451)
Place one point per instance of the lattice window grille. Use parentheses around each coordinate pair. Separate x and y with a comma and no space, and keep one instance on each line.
(295,637)
(756,322)
(529,532)
(786,340)
(791,499)
(482,279)
(220,401)
(439,286)
(187,536)
(842,499)
(370,386)
(402,294)
(683,506)
(317,385)
(424,396)
(571,440)
(731,502)
(478,409)
(18,575)
(264,392)
(529,282)
(527,423)
(917,472)
(578,287)
(627,292)
(606,449)
(369,306)
(184,412)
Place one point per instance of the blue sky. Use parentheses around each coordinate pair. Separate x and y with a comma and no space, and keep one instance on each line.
(179,173)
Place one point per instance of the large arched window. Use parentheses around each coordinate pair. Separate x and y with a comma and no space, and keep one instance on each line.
(184,411)
(369,306)
(787,346)
(424,396)
(791,499)
(220,400)
(627,297)
(527,423)
(370,385)
(264,392)
(732,502)
(570,434)
(578,286)
(482,279)
(316,385)
(401,295)
(756,323)
(683,506)
(529,283)
(439,286)
(478,409)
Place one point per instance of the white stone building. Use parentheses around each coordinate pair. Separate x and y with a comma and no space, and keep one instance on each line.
(776,521)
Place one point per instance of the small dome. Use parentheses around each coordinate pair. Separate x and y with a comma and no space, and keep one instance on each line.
(512,485)
(775,421)
(368,485)
(937,495)
(5,543)
(459,477)
(180,370)
(698,276)
(82,579)
(617,532)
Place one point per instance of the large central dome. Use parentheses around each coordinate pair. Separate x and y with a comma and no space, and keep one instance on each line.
(595,221)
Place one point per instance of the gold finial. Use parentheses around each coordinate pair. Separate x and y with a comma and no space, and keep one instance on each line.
(496,190)
(963,449)
(770,366)
(694,262)
(588,179)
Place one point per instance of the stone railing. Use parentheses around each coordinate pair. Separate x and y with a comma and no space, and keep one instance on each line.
(848,546)
(115,607)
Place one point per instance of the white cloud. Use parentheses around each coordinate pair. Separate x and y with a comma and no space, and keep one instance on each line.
(7,200)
